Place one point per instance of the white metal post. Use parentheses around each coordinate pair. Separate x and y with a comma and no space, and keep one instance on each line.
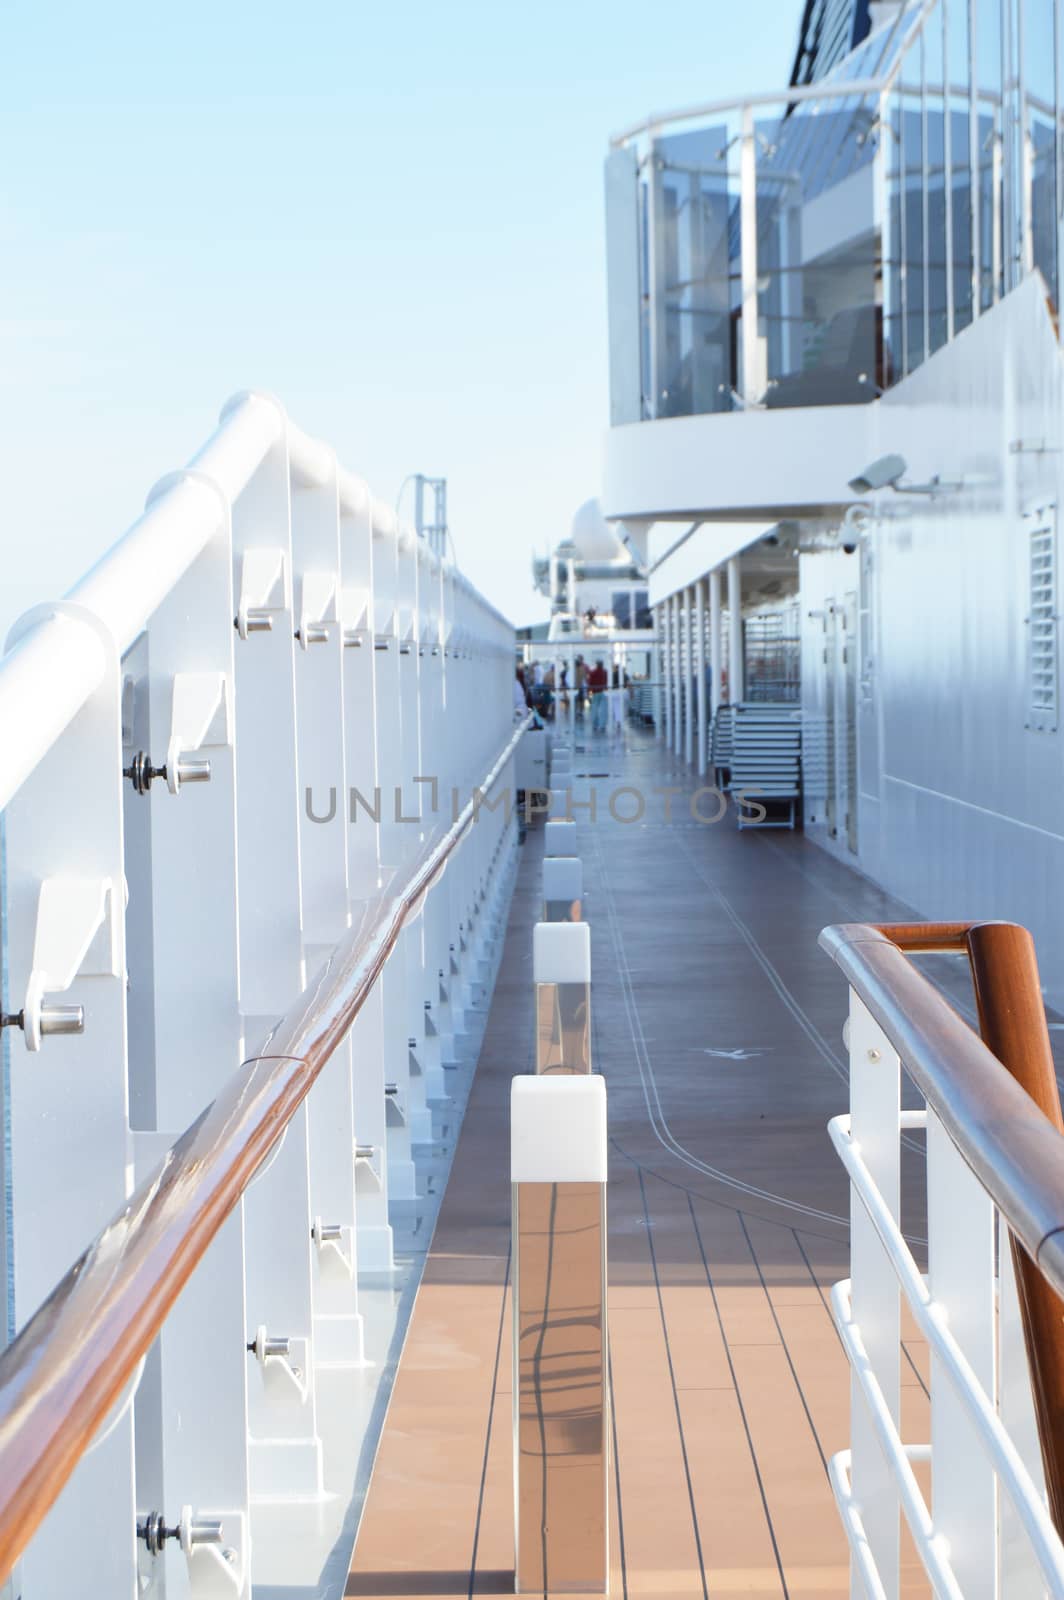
(666,661)
(875,1107)
(752,376)
(735,632)
(284,1451)
(69,1106)
(321,766)
(688,675)
(716,654)
(369,1132)
(700,672)
(675,666)
(183,705)
(960,1233)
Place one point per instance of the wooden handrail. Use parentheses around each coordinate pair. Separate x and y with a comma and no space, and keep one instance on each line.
(69,1365)
(1010,1131)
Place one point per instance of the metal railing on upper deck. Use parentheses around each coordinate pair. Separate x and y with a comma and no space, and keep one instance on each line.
(992,1316)
(814,246)
(241,753)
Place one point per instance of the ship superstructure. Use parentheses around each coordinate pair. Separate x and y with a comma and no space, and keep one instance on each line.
(457,1148)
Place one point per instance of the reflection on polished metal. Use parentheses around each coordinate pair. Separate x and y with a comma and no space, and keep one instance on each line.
(561,1415)
(561,971)
(562,1027)
(563,888)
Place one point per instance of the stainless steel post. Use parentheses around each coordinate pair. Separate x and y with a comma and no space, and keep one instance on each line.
(560,1391)
(561,972)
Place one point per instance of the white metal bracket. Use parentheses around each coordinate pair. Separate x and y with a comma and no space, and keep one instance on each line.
(216,1547)
(318,608)
(286,1358)
(261,590)
(77,931)
(367,1159)
(199,716)
(354,614)
(335,1240)
(384,624)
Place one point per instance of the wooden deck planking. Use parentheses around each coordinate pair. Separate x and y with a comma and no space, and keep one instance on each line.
(730,1386)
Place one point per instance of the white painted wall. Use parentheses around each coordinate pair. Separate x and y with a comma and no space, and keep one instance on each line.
(970,798)
(744,465)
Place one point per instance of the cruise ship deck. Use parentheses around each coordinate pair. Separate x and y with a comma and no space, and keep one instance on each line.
(716,1021)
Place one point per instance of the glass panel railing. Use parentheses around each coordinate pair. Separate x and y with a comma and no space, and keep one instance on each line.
(817,253)
(893,243)
(693,269)
(816,248)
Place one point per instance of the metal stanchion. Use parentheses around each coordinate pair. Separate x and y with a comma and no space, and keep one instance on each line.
(559,805)
(561,972)
(563,888)
(559,838)
(560,1391)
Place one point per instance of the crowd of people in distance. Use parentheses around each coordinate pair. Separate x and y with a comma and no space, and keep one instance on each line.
(597,691)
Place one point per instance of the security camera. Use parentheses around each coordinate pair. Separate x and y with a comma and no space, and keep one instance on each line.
(886,473)
(856,521)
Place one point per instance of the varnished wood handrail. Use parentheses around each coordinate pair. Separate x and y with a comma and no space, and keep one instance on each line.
(1008,1128)
(69,1365)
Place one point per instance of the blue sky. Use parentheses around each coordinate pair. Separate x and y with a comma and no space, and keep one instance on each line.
(388,214)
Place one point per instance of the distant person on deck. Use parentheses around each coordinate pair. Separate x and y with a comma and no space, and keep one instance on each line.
(598,683)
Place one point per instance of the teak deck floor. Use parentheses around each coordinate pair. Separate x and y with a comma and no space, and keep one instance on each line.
(717,1024)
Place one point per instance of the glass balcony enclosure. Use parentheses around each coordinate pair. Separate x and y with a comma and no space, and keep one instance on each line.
(815,247)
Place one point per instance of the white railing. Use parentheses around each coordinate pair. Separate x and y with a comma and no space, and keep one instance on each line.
(257,712)
(972,1486)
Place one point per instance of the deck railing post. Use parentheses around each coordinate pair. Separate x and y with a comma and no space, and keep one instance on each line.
(558,1165)
(875,1074)
(65,1184)
(325,902)
(960,1232)
(184,928)
(271,605)
(363,836)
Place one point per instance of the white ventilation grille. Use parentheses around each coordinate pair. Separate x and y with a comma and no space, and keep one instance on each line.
(1042,652)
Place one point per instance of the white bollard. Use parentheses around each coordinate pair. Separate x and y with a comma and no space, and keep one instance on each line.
(558,1162)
